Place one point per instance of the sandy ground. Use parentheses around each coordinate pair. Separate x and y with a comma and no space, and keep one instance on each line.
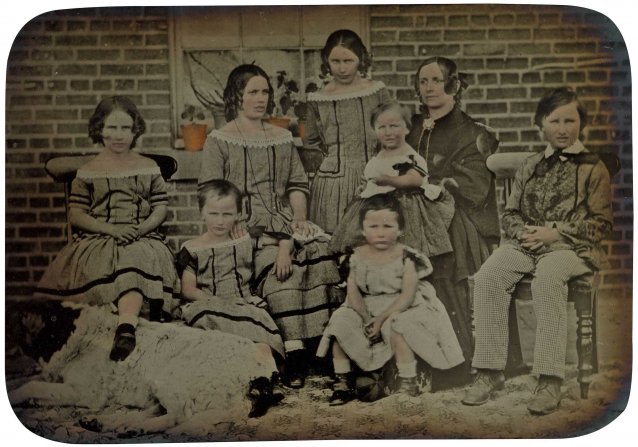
(305,414)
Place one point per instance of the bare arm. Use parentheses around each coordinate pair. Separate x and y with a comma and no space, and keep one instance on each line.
(411,179)
(355,300)
(190,291)
(408,292)
(154,220)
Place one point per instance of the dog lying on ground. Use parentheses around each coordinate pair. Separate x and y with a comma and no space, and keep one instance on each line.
(188,374)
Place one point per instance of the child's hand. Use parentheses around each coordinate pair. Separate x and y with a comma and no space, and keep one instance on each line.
(125,234)
(373,330)
(283,265)
(534,238)
(382,180)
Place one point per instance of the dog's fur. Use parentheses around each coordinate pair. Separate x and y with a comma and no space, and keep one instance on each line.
(182,371)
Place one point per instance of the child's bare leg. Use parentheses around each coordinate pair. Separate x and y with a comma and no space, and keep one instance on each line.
(128,309)
(406,363)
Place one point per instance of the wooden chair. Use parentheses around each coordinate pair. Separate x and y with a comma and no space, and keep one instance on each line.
(63,169)
(582,290)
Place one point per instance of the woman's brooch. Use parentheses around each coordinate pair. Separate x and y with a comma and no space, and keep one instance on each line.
(428,124)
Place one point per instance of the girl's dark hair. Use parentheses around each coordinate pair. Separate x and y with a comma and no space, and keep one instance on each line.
(391,105)
(218,188)
(235,86)
(556,98)
(349,40)
(380,202)
(105,108)
(451,77)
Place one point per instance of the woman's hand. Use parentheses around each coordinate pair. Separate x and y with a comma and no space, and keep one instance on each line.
(534,237)
(125,234)
(446,182)
(303,227)
(239,230)
(283,264)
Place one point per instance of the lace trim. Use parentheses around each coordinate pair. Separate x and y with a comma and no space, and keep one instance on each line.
(374,87)
(228,243)
(83,173)
(285,137)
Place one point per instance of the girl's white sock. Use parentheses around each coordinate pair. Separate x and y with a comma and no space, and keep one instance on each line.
(407,370)
(127,319)
(341,366)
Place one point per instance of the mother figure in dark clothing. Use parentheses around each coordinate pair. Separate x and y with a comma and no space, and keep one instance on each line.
(455,147)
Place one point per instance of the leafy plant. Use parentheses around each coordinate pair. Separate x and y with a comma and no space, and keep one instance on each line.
(287,90)
(193,113)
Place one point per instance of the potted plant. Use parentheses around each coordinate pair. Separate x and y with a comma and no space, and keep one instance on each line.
(285,98)
(193,129)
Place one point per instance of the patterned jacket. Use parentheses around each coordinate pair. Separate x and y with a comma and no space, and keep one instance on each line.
(573,196)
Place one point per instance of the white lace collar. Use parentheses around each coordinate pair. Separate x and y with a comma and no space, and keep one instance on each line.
(85,173)
(373,88)
(284,137)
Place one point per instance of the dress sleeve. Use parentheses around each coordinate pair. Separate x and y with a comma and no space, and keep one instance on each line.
(213,162)
(297,177)
(80,196)
(312,135)
(422,264)
(159,195)
(185,261)
(473,177)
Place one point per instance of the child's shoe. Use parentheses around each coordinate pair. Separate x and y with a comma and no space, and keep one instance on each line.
(124,342)
(409,386)
(262,395)
(343,390)
(295,369)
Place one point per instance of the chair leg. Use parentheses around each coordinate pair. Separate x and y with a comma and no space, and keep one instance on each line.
(584,335)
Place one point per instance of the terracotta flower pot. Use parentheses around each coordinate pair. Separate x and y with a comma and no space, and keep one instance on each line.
(194,136)
(280,121)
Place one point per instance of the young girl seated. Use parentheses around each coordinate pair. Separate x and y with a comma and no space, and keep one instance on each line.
(216,271)
(390,310)
(399,170)
(118,200)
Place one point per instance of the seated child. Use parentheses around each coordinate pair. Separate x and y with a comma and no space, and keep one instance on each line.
(216,271)
(390,309)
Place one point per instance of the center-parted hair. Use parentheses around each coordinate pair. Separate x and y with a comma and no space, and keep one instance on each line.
(380,202)
(108,106)
(349,40)
(391,105)
(235,86)
(218,189)
(556,98)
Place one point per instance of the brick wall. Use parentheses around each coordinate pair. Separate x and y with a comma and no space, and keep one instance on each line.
(62,63)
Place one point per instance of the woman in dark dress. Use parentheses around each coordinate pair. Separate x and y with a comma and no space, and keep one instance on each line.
(455,147)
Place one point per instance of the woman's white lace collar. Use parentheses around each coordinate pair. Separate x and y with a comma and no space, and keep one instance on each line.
(373,88)
(282,138)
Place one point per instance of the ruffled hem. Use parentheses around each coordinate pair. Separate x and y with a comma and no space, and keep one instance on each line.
(375,86)
(284,138)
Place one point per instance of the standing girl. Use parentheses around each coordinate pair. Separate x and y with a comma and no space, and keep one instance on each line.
(117,202)
(263,162)
(216,271)
(390,309)
(398,170)
(338,124)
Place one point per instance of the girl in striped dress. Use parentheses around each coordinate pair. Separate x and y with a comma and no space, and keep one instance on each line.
(216,273)
(118,200)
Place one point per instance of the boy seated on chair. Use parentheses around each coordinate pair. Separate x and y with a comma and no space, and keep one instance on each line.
(557,214)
